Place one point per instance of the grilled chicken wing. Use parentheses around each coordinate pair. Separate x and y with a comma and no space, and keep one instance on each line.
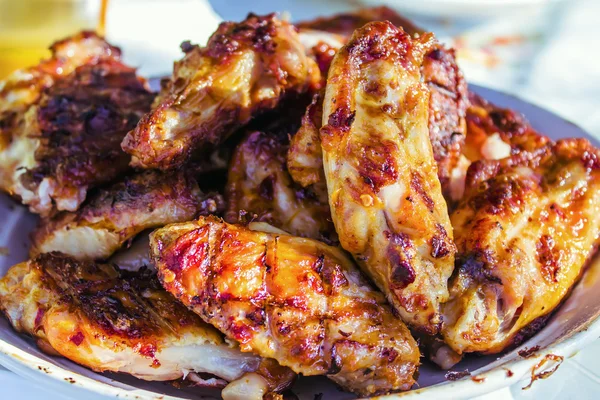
(259,188)
(24,87)
(95,316)
(296,300)
(524,230)
(305,157)
(385,198)
(494,132)
(114,215)
(63,135)
(245,68)
(447,87)
(345,24)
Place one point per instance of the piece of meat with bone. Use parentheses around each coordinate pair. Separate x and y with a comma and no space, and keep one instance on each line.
(63,136)
(495,132)
(344,24)
(245,69)
(298,301)
(385,197)
(260,189)
(107,320)
(447,86)
(524,231)
(116,214)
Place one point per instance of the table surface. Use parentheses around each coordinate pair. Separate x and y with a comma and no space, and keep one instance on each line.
(542,57)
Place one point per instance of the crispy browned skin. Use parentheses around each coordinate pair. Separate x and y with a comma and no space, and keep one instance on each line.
(108,321)
(385,197)
(24,87)
(485,120)
(245,69)
(447,86)
(345,24)
(305,157)
(63,136)
(524,230)
(296,300)
(116,214)
(259,188)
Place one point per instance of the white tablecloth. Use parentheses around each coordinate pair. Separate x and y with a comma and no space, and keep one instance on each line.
(549,58)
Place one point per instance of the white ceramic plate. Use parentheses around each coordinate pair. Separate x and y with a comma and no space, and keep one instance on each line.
(574,325)
(462,8)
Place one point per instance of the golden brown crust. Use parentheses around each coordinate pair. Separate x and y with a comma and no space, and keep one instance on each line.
(26,140)
(62,136)
(345,24)
(296,300)
(114,321)
(304,157)
(447,86)
(116,214)
(385,197)
(524,230)
(485,119)
(447,109)
(259,188)
(80,122)
(245,69)
(23,87)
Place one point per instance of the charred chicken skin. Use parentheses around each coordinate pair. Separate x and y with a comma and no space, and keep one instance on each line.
(260,189)
(298,301)
(447,86)
(62,134)
(305,157)
(385,197)
(494,132)
(114,215)
(107,321)
(245,69)
(524,230)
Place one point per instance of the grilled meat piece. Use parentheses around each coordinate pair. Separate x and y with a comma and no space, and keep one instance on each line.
(109,321)
(259,188)
(494,132)
(114,215)
(524,230)
(305,157)
(345,24)
(447,86)
(23,87)
(385,198)
(65,137)
(296,300)
(245,69)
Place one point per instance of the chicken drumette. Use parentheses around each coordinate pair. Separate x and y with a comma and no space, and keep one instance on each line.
(447,87)
(524,230)
(113,215)
(245,69)
(110,321)
(384,193)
